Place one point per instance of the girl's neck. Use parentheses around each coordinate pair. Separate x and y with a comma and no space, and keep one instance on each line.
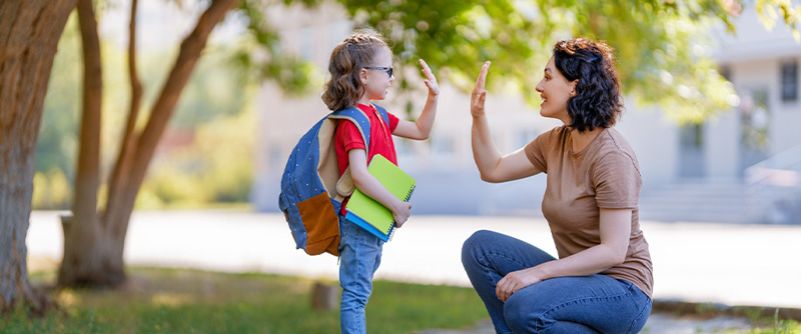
(364,100)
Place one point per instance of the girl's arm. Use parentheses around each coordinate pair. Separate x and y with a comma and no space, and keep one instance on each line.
(615,228)
(370,186)
(421,129)
(492,166)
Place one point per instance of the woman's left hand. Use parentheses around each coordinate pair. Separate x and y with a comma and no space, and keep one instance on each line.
(430,79)
(516,280)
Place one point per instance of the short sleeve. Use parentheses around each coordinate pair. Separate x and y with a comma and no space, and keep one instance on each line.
(348,136)
(617,181)
(393,122)
(535,151)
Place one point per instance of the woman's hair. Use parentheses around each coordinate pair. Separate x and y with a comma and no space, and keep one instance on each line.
(597,102)
(348,58)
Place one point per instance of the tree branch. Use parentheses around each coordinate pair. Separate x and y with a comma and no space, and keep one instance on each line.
(162,110)
(120,174)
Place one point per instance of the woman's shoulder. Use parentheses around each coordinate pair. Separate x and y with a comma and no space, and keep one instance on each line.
(613,140)
(554,134)
(614,146)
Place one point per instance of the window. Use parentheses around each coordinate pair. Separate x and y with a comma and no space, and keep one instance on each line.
(789,83)
(725,72)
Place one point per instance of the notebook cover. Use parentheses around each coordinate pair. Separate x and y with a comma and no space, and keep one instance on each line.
(367,212)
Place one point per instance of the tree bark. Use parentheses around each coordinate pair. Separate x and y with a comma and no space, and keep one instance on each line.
(86,260)
(29,35)
(94,256)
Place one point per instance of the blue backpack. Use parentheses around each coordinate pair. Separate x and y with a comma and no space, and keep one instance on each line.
(311,188)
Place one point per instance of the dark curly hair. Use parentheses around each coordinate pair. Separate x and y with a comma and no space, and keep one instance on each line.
(597,103)
(349,56)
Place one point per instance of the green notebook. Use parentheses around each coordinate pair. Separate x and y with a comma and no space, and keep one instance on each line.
(366,212)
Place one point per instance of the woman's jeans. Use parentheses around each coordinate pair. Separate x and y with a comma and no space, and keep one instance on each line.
(571,304)
(359,257)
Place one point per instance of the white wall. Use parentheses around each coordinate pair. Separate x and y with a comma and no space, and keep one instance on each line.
(655,141)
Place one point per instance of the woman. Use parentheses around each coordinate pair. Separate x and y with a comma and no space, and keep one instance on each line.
(602,281)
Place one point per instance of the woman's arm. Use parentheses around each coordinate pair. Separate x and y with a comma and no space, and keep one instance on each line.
(370,186)
(421,129)
(492,166)
(615,229)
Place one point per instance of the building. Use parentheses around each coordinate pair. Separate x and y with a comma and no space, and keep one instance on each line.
(697,173)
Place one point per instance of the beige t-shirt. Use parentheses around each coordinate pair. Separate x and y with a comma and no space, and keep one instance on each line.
(605,174)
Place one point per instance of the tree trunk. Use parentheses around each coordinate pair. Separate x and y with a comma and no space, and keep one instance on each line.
(88,259)
(121,203)
(29,34)
(123,164)
(96,256)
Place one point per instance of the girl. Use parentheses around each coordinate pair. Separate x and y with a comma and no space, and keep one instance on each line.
(361,72)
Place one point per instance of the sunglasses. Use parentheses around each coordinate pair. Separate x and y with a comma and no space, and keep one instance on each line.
(387,70)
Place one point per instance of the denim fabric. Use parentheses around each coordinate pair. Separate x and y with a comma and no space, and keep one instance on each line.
(359,258)
(572,304)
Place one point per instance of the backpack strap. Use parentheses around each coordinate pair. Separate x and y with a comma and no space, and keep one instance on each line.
(345,186)
(359,119)
(384,114)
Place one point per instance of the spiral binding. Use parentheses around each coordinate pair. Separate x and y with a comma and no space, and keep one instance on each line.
(406,199)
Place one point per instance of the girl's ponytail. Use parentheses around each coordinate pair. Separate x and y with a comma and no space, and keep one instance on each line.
(348,58)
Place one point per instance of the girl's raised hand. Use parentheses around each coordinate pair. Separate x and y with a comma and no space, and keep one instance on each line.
(430,79)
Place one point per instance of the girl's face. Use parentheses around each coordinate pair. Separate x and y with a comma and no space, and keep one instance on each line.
(555,91)
(376,77)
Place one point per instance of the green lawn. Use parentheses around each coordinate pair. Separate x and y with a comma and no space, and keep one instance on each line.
(189,301)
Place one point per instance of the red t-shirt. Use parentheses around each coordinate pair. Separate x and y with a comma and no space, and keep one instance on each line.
(347,137)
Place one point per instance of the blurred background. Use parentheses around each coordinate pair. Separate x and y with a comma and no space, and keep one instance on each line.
(712,112)
(714,149)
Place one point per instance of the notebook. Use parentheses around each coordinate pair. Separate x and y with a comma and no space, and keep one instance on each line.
(366,212)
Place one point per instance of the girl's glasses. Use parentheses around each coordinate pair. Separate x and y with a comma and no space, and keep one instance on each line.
(387,70)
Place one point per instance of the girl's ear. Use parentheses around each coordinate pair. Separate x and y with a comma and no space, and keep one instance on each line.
(363,76)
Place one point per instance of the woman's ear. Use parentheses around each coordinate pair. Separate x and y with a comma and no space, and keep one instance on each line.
(573,85)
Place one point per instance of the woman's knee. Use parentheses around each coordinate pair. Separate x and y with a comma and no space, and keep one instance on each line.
(521,315)
(475,243)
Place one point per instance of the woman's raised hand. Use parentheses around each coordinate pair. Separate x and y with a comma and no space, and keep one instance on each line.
(479,92)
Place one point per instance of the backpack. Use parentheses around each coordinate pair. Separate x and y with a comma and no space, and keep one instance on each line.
(311,188)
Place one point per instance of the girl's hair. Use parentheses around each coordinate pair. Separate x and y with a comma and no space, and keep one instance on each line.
(348,58)
(598,102)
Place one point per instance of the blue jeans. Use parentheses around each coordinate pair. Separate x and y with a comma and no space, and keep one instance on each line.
(359,258)
(571,304)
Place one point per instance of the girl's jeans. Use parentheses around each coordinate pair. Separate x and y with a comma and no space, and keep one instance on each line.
(359,257)
(572,304)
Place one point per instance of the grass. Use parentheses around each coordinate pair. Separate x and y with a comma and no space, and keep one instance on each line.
(190,301)
(775,325)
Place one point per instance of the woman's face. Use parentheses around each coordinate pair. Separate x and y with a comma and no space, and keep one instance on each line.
(376,78)
(555,91)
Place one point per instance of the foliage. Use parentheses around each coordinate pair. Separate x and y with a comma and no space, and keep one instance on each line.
(201,174)
(662,47)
